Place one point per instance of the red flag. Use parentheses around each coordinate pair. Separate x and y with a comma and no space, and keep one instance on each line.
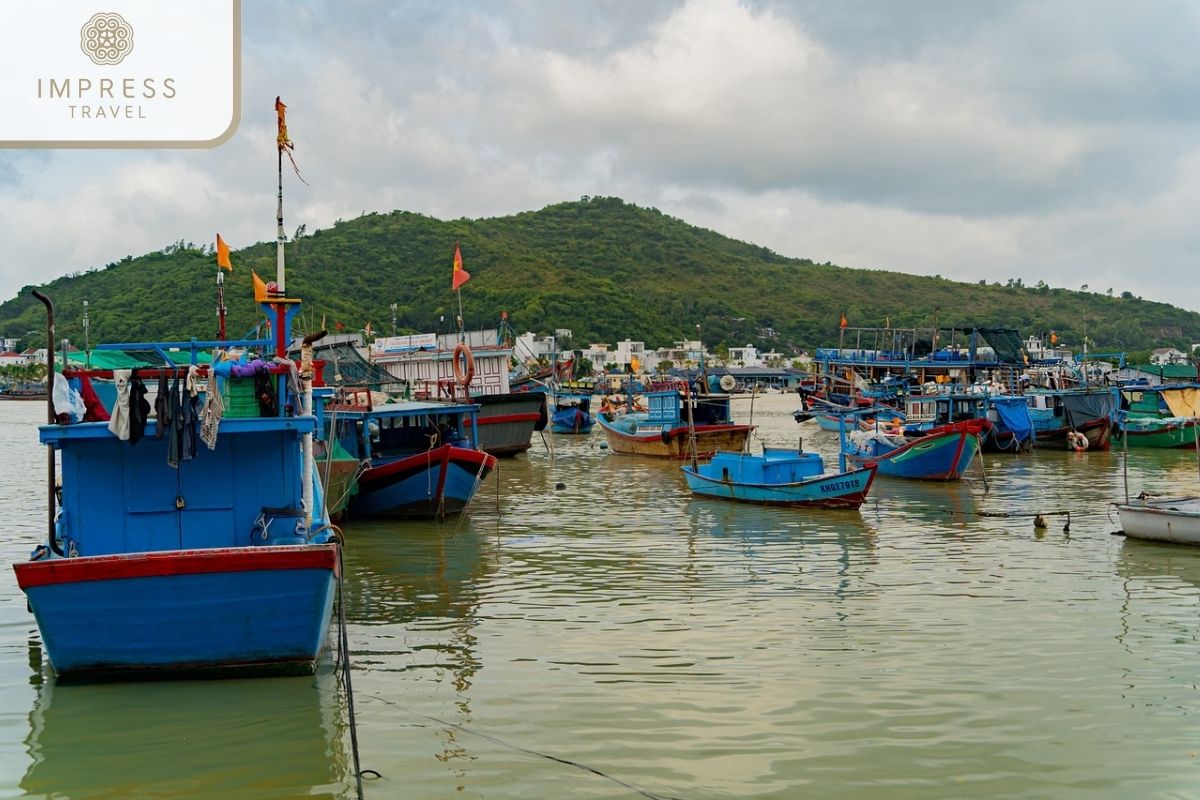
(461,276)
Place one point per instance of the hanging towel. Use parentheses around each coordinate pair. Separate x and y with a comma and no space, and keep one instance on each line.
(210,417)
(118,423)
(293,384)
(96,412)
(191,420)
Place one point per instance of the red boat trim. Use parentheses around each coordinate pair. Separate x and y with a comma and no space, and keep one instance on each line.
(124,566)
(376,478)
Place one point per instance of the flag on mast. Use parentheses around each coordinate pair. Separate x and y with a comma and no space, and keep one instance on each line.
(843,321)
(285,144)
(223,254)
(461,276)
(260,287)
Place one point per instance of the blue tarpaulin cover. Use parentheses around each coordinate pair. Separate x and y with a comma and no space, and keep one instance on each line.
(1014,415)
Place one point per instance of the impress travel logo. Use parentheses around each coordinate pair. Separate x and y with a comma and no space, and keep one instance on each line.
(134,73)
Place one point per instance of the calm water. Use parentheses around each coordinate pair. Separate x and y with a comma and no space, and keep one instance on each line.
(691,649)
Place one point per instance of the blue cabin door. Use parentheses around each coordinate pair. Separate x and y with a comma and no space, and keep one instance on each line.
(183,508)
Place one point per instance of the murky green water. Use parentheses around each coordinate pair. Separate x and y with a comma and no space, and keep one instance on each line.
(690,649)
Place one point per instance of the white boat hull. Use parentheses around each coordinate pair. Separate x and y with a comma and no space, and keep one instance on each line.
(1170,519)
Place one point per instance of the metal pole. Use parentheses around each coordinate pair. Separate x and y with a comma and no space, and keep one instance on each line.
(51,476)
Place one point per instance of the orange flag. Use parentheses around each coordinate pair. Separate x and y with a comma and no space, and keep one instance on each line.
(260,288)
(461,276)
(843,320)
(223,254)
(282,140)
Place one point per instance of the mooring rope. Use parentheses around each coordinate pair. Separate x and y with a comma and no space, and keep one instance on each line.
(344,660)
(518,748)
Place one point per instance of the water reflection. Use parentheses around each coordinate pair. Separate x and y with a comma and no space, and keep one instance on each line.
(250,739)
(416,587)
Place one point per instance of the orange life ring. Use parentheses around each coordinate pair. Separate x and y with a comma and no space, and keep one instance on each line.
(464,370)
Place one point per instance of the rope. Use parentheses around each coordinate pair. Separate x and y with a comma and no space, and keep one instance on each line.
(462,516)
(344,660)
(518,748)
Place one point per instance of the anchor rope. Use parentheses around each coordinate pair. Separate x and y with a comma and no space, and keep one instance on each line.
(344,660)
(528,751)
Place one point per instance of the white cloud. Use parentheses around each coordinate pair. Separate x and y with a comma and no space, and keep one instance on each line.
(1016,140)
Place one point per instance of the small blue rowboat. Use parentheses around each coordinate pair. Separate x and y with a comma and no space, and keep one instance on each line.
(572,414)
(943,454)
(779,476)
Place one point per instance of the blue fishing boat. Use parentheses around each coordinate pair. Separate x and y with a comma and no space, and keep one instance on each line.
(173,556)
(779,476)
(942,454)
(1011,428)
(1079,419)
(572,410)
(418,457)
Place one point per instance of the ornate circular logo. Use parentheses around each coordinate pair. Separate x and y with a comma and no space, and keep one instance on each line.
(106,38)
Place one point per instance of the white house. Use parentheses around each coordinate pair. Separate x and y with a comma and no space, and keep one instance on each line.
(627,350)
(1168,355)
(8,359)
(744,356)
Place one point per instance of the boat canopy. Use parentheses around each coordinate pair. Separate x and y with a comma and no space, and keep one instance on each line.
(1014,414)
(1006,342)
(1085,406)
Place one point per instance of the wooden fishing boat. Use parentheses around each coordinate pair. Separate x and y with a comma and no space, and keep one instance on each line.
(1057,414)
(779,476)
(943,454)
(199,560)
(1158,416)
(417,457)
(1162,519)
(662,430)
(572,412)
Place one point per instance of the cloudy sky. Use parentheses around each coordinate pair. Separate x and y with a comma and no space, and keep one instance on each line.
(1047,141)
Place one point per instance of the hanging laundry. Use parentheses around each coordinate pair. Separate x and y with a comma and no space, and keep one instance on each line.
(96,412)
(175,415)
(139,409)
(293,384)
(162,406)
(118,423)
(264,389)
(210,417)
(189,402)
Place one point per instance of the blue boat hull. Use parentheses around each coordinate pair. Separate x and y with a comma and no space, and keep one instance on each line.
(572,421)
(228,610)
(942,455)
(429,485)
(845,490)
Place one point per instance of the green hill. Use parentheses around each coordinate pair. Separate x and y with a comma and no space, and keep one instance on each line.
(604,268)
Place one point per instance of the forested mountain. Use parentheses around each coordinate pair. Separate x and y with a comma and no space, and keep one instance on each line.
(604,268)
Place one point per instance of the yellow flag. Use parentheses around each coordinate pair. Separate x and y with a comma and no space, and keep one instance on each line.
(260,288)
(634,364)
(223,254)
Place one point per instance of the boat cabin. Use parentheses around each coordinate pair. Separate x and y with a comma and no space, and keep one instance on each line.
(397,430)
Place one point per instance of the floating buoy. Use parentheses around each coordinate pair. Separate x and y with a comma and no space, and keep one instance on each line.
(1067,526)
(560,486)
